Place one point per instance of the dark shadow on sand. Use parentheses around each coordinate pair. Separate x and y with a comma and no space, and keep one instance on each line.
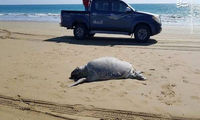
(96,81)
(101,41)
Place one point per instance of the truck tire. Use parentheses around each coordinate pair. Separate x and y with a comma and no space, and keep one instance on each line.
(142,33)
(80,32)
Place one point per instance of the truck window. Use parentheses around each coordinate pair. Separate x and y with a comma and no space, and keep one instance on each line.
(102,5)
(118,6)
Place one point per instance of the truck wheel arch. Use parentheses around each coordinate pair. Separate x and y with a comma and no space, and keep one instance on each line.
(78,23)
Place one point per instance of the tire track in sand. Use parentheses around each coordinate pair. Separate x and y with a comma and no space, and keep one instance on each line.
(60,110)
(176,45)
(6,34)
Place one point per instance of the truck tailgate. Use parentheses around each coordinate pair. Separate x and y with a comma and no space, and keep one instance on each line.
(68,18)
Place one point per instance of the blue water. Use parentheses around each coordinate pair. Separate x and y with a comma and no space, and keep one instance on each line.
(170,14)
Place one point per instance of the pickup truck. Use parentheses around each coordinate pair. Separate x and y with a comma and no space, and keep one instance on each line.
(111,17)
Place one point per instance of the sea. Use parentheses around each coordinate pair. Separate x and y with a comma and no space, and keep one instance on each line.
(170,14)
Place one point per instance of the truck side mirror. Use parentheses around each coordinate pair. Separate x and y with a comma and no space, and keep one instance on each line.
(128,10)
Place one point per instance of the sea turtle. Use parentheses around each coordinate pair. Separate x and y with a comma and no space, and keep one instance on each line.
(105,68)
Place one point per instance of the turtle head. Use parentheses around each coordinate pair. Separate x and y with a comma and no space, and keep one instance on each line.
(76,74)
(139,76)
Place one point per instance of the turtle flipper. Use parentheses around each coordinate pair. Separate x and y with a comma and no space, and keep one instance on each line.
(78,82)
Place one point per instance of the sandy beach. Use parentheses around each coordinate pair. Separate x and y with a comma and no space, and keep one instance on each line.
(36,59)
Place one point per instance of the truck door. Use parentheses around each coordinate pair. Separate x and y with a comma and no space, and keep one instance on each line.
(120,18)
(99,17)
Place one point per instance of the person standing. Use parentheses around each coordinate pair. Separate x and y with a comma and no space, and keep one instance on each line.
(86,4)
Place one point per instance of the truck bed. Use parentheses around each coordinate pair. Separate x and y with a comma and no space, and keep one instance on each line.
(68,18)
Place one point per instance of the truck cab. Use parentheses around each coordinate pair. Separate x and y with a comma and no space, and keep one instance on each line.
(111,17)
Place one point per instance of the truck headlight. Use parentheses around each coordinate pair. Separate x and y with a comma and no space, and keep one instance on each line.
(157,19)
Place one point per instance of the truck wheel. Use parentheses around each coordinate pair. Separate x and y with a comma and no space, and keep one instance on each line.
(142,33)
(80,32)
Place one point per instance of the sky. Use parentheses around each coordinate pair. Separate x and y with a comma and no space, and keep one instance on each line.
(13,2)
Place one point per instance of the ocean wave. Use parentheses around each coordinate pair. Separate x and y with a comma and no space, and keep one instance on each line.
(30,17)
(180,19)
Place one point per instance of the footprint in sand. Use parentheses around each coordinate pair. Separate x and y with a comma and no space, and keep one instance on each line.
(87,99)
(167,69)
(6,87)
(168,90)
(142,53)
(122,94)
(195,98)
(169,57)
(146,95)
(62,85)
(112,86)
(92,90)
(168,95)
(105,90)
(185,81)
(152,69)
(164,77)
(121,84)
(197,71)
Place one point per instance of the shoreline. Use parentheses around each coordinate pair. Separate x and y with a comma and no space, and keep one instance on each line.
(29,21)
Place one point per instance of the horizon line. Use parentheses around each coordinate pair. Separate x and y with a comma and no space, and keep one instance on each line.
(78,4)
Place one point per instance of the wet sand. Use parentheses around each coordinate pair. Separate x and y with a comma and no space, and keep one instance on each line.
(36,60)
